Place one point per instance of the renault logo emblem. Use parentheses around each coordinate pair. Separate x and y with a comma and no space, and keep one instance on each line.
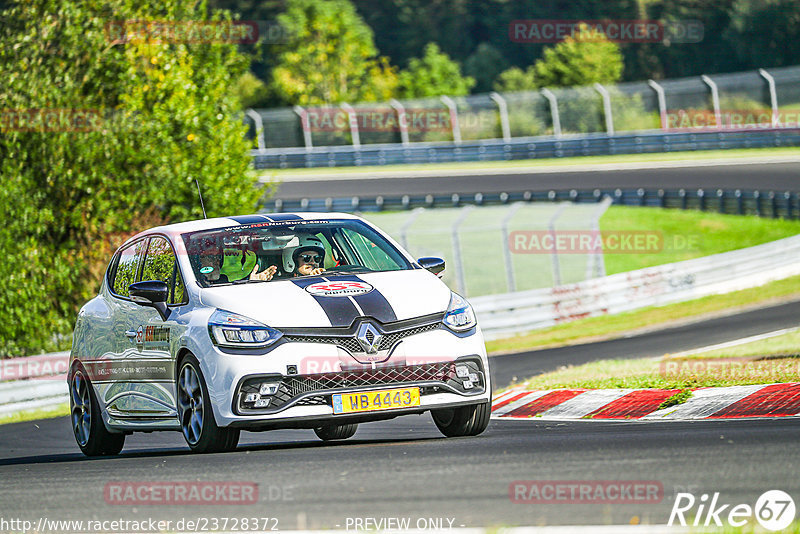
(369,338)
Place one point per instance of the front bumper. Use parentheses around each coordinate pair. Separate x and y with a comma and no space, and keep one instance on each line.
(304,399)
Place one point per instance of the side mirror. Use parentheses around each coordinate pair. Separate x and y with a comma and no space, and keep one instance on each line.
(151,293)
(434,265)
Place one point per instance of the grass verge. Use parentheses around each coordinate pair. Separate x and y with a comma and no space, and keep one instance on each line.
(725,155)
(59,410)
(607,327)
(766,361)
(688,234)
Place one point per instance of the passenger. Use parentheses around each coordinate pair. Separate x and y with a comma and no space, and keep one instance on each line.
(305,258)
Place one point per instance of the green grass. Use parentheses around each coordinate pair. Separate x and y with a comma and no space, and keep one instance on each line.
(542,162)
(689,234)
(59,410)
(606,327)
(678,398)
(685,235)
(787,344)
(757,362)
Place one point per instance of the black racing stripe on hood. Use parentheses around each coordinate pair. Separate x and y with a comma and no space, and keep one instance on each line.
(285,217)
(373,303)
(340,311)
(249,219)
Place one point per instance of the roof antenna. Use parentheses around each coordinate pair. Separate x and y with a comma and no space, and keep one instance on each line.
(201,199)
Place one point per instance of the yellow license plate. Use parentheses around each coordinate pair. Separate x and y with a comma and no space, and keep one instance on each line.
(369,401)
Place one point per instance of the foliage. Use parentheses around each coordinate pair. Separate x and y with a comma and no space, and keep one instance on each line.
(587,58)
(515,79)
(250,91)
(330,56)
(484,65)
(434,74)
(160,115)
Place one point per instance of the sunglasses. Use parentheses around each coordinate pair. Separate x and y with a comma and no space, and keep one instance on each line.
(311,258)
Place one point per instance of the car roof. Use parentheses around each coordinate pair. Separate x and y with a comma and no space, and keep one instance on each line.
(240,220)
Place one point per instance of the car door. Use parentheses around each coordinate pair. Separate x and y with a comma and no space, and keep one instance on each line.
(111,375)
(151,370)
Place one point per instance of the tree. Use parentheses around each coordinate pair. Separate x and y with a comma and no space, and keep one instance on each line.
(515,79)
(587,58)
(434,74)
(330,56)
(484,65)
(131,126)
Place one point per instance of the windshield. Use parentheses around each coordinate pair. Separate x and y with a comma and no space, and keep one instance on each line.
(272,251)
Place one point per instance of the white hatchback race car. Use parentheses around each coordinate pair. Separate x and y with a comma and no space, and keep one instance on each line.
(261,322)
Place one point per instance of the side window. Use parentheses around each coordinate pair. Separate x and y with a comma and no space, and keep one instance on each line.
(160,264)
(127,266)
(373,256)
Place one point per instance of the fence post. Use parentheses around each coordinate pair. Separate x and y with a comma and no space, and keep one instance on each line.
(402,120)
(259,123)
(502,107)
(596,267)
(773,96)
(303,114)
(662,102)
(714,99)
(507,246)
(551,97)
(352,118)
(461,282)
(451,105)
(606,108)
(551,227)
(416,212)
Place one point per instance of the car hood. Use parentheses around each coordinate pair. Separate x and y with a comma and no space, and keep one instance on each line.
(302,302)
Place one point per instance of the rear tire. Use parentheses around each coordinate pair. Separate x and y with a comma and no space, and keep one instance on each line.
(463,421)
(336,432)
(90,432)
(196,415)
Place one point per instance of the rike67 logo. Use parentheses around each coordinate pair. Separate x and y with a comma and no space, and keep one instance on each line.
(774,510)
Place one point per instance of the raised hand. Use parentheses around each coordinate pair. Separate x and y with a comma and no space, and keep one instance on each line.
(265,275)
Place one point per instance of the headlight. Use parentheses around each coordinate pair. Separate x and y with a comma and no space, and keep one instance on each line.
(231,330)
(459,316)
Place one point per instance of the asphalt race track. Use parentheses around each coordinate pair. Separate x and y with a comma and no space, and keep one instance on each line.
(404,470)
(766,176)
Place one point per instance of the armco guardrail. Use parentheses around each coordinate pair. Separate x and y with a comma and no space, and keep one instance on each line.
(775,204)
(34,382)
(514,313)
(521,148)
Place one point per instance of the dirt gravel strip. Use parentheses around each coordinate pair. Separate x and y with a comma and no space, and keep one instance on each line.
(734,402)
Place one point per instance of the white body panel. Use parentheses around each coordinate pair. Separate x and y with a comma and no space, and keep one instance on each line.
(136,381)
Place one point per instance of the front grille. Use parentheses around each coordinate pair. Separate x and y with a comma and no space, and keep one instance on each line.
(439,372)
(350,343)
(316,389)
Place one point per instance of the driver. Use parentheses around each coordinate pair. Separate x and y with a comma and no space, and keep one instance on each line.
(304,256)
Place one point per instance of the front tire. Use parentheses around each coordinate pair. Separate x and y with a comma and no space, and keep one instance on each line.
(463,421)
(92,436)
(196,415)
(336,432)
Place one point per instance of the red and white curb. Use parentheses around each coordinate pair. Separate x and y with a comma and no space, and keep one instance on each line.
(763,400)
